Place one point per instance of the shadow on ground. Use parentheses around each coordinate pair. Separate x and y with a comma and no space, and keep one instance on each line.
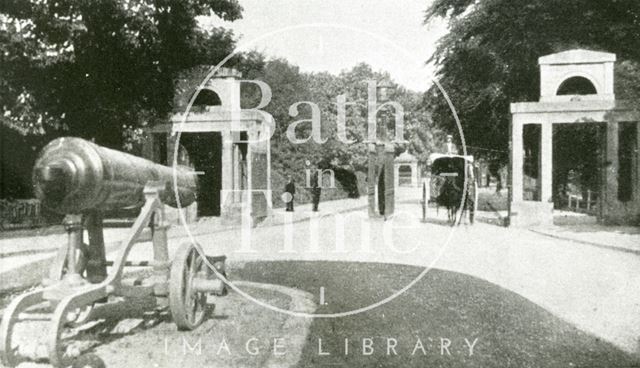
(442,307)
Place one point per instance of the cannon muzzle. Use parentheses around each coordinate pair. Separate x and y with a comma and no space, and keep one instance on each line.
(72,175)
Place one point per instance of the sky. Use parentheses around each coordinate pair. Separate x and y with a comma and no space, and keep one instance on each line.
(334,35)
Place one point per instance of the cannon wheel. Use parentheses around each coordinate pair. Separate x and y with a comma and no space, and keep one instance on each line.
(9,319)
(188,307)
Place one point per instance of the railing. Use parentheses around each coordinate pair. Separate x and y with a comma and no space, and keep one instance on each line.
(20,213)
(578,203)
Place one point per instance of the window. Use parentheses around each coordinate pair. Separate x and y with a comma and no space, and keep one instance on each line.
(405,175)
(576,86)
(207,98)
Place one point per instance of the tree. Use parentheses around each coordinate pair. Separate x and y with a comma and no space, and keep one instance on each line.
(489,58)
(289,86)
(98,69)
(418,129)
(95,69)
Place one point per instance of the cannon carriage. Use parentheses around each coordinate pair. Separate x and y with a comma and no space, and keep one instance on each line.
(81,180)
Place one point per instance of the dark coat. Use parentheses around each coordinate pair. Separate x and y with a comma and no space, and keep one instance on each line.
(290,187)
(316,189)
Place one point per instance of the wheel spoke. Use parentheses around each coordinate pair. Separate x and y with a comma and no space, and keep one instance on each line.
(192,261)
(187,304)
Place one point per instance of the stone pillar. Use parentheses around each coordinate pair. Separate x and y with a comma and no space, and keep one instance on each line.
(252,135)
(396,176)
(611,171)
(389,189)
(546,163)
(414,174)
(171,147)
(372,179)
(636,167)
(516,161)
(236,173)
(267,145)
(227,167)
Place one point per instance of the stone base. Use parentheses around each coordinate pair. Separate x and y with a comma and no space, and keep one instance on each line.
(621,213)
(232,214)
(529,214)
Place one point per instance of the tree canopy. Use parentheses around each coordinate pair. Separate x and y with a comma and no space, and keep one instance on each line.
(95,69)
(289,86)
(489,57)
(101,68)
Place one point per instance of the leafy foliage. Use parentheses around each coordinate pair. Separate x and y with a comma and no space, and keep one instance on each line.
(95,69)
(289,85)
(489,58)
(101,68)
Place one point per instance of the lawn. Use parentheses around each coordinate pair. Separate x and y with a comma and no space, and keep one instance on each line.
(443,309)
(489,200)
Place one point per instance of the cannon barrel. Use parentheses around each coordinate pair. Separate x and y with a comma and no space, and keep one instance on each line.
(72,175)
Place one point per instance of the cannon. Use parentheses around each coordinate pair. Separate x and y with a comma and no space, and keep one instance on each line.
(72,175)
(83,180)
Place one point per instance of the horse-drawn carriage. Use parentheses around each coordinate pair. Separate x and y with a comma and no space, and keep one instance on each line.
(452,185)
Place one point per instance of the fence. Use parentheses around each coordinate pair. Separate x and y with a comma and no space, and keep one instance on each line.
(579,203)
(20,213)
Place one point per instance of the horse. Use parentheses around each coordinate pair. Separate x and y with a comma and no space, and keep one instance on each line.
(451,197)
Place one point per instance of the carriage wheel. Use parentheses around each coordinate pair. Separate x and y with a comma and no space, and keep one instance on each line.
(188,307)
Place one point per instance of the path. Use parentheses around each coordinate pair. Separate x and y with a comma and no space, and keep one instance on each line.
(594,288)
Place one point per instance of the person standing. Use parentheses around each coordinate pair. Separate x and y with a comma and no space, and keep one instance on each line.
(316,189)
(450,147)
(290,188)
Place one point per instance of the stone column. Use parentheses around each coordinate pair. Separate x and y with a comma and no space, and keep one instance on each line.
(396,176)
(414,174)
(227,167)
(171,147)
(516,160)
(253,137)
(236,173)
(269,193)
(389,190)
(636,167)
(546,162)
(371,177)
(611,171)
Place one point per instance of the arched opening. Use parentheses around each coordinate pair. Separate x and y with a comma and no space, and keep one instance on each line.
(405,175)
(202,151)
(576,86)
(207,97)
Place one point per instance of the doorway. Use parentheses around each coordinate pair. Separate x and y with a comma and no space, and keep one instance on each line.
(205,156)
(578,163)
